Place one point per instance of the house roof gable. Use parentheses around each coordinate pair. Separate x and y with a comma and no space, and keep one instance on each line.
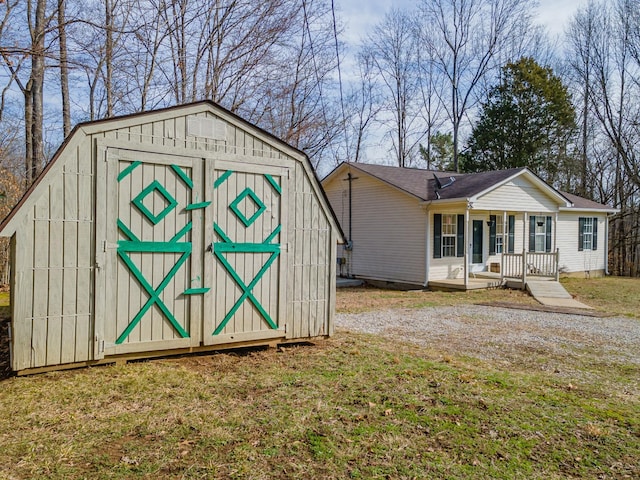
(422,184)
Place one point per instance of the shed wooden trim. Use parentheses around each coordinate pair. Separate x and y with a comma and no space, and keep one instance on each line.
(120,241)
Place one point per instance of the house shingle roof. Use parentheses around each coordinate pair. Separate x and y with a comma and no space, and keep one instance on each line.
(581,202)
(422,184)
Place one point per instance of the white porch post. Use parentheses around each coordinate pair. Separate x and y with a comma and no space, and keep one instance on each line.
(505,243)
(555,247)
(525,237)
(466,248)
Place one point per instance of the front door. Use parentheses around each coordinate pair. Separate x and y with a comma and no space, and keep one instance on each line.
(246,265)
(476,255)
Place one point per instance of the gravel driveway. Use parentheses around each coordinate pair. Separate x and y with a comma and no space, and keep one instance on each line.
(506,335)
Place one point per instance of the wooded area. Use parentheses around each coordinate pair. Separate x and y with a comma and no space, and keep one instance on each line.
(414,88)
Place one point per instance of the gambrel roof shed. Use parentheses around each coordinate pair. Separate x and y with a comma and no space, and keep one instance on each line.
(169,231)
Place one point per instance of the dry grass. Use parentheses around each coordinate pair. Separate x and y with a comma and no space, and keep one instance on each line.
(612,295)
(609,295)
(354,406)
(363,299)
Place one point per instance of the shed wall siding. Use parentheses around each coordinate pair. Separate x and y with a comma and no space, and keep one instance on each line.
(311,279)
(57,247)
(53,311)
(388,230)
(519,195)
(571,258)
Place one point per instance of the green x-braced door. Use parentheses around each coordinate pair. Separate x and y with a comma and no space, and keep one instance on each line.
(151,229)
(248,225)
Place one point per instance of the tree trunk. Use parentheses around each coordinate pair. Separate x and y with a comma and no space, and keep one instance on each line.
(37,100)
(64,69)
(108,54)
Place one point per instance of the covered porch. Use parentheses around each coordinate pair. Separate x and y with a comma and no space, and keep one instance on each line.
(514,271)
(509,247)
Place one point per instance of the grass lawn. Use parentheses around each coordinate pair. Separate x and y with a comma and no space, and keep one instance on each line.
(353,406)
(618,296)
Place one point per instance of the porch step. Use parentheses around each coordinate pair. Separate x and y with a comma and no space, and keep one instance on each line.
(553,294)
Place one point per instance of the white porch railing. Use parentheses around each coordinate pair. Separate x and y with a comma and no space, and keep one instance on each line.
(530,264)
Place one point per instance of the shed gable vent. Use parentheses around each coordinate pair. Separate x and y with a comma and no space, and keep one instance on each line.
(206,128)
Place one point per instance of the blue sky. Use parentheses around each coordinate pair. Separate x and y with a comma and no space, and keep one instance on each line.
(360,15)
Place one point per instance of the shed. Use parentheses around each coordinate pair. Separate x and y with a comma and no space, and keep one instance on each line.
(171,231)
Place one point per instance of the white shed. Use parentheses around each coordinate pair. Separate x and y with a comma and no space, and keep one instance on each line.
(170,231)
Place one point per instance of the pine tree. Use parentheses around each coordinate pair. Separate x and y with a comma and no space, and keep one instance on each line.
(527,120)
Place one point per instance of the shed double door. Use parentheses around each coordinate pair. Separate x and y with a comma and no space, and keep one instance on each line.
(192,253)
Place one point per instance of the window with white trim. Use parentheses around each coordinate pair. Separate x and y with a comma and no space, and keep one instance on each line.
(541,234)
(499,234)
(587,233)
(449,231)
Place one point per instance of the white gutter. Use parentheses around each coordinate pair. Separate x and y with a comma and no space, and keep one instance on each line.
(446,201)
(590,210)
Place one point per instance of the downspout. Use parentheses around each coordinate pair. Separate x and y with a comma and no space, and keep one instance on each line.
(426,249)
(555,246)
(606,246)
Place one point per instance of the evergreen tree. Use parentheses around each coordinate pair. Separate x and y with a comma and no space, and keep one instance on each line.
(528,120)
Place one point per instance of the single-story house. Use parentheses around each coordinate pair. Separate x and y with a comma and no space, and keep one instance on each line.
(421,227)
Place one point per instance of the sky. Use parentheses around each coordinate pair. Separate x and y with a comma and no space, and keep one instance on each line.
(360,15)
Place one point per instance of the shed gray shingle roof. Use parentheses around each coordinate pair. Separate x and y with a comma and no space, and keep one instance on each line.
(421,183)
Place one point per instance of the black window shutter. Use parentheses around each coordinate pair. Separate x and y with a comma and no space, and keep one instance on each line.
(594,242)
(460,237)
(532,233)
(580,234)
(512,234)
(547,243)
(437,235)
(492,234)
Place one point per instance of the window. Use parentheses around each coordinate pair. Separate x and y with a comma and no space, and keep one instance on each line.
(499,234)
(448,235)
(449,232)
(587,233)
(539,233)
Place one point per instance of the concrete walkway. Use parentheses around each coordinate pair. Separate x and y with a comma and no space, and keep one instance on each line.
(553,294)
(342,282)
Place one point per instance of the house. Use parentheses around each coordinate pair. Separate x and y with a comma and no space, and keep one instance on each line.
(426,228)
(164,232)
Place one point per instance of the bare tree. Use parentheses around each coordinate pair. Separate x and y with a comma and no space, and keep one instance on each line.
(362,106)
(64,67)
(392,47)
(467,35)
